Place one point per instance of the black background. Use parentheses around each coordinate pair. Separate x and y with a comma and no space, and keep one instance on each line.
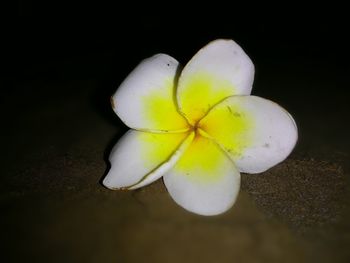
(300,53)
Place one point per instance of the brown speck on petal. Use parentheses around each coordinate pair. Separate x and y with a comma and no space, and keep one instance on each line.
(120,188)
(112,102)
(125,189)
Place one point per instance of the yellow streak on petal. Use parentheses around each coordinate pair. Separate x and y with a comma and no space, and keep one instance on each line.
(203,161)
(231,126)
(200,92)
(159,109)
(158,147)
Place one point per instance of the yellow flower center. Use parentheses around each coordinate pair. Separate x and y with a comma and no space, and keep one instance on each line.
(215,128)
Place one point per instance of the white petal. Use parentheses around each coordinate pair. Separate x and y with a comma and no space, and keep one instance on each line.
(145,99)
(204,180)
(219,70)
(140,158)
(256,133)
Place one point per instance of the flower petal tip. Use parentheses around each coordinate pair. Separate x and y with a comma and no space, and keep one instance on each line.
(106,183)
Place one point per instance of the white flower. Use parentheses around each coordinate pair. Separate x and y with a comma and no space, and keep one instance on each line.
(198,128)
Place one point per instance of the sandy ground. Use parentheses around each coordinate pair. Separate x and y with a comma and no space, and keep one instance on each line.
(54,209)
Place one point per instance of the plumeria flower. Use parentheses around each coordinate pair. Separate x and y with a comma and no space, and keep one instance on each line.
(197,127)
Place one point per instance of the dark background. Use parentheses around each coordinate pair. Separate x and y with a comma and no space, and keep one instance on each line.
(62,63)
(301,56)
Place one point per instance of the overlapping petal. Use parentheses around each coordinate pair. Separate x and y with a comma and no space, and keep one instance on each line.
(139,158)
(218,70)
(204,180)
(145,100)
(255,132)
